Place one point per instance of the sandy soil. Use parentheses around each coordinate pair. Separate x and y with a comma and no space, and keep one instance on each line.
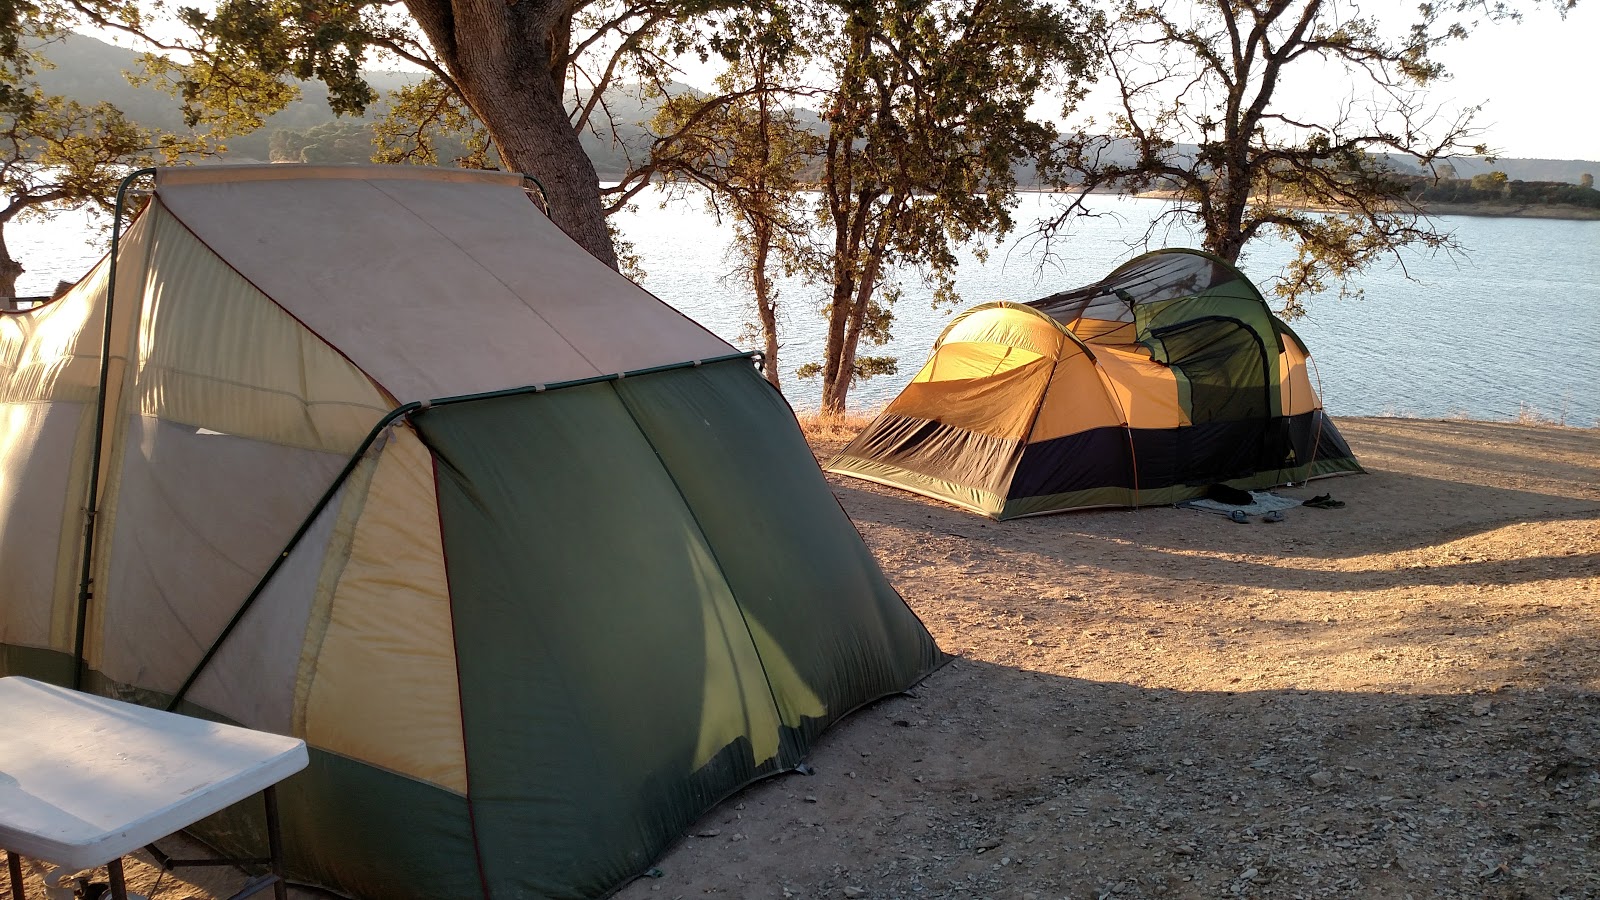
(1400,698)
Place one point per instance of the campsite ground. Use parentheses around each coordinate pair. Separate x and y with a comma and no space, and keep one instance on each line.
(1400,698)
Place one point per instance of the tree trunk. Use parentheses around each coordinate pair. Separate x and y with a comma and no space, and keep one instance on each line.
(10,271)
(761,232)
(850,220)
(766,307)
(509,65)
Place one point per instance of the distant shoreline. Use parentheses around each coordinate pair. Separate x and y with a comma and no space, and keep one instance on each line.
(1522,211)
(1485,210)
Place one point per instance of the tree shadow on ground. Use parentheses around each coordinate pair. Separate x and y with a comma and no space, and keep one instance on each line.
(1399,507)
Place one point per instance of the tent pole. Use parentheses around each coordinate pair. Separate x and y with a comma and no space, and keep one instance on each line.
(355,458)
(91,507)
(305,526)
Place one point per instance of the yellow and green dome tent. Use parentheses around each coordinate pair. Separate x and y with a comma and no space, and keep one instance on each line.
(1168,376)
(376,456)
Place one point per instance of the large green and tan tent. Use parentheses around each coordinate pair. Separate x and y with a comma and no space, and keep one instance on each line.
(1168,376)
(539,568)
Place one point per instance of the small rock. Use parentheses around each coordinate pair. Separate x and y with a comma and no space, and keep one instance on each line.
(709,832)
(1482,707)
(737,837)
(811,798)
(1322,779)
(1249,874)
(988,843)
(853,891)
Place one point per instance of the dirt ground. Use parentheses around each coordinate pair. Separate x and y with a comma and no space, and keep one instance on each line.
(1400,698)
(1396,699)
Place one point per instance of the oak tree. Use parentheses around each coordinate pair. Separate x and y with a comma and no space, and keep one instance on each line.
(532,73)
(750,150)
(928,109)
(1203,112)
(58,154)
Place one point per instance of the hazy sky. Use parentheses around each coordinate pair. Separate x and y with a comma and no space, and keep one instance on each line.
(1541,77)
(1538,81)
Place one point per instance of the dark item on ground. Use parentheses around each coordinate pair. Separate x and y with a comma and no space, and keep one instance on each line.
(1230,495)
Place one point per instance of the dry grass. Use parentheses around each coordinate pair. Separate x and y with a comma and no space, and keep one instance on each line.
(826,429)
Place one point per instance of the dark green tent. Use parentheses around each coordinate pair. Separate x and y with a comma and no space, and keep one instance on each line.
(539,568)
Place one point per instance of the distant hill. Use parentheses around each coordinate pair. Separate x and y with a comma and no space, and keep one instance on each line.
(1567,170)
(90,70)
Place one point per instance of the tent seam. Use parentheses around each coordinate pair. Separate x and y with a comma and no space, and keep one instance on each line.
(461,705)
(1033,421)
(777,709)
(492,274)
(270,299)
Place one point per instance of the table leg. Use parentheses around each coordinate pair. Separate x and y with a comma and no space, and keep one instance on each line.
(280,890)
(119,885)
(14,867)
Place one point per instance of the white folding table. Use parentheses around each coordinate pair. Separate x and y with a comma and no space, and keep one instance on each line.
(86,780)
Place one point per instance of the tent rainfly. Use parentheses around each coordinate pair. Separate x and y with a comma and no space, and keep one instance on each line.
(1169,375)
(377,457)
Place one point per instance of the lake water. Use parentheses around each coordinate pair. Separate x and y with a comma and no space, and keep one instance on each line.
(1508,327)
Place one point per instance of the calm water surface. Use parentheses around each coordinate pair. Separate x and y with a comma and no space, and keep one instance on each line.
(1510,326)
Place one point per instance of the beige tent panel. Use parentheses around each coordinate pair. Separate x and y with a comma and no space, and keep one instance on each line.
(216,352)
(252,678)
(192,508)
(1076,401)
(384,687)
(126,297)
(49,375)
(52,352)
(43,448)
(339,254)
(1146,390)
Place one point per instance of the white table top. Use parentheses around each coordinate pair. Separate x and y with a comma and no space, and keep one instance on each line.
(85,779)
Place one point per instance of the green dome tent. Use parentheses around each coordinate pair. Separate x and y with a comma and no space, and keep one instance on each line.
(539,568)
(1167,376)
